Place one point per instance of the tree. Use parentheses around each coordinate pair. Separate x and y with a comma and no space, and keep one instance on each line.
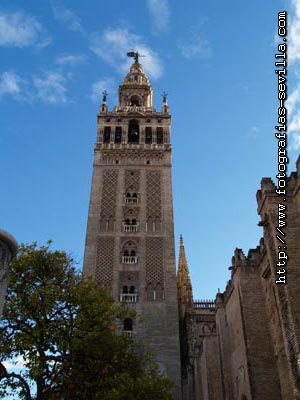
(65,330)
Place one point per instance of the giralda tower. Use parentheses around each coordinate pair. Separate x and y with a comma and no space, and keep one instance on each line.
(130,233)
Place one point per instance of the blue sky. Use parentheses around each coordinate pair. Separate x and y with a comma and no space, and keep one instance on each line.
(216,61)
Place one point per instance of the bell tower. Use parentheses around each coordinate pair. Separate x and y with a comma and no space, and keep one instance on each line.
(130,233)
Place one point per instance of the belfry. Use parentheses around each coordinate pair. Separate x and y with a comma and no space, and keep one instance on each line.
(130,234)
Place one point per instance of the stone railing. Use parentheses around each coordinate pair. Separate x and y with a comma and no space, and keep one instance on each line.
(204,304)
(129,297)
(130,228)
(129,259)
(8,250)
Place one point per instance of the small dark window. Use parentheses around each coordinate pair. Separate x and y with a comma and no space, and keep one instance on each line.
(118,134)
(132,290)
(135,101)
(106,134)
(117,161)
(133,253)
(133,131)
(125,290)
(148,135)
(148,162)
(127,324)
(159,135)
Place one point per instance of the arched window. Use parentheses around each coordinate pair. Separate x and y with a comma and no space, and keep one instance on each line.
(133,131)
(150,224)
(150,295)
(132,289)
(148,135)
(118,134)
(111,224)
(131,197)
(159,135)
(129,253)
(125,289)
(106,134)
(159,292)
(135,100)
(157,225)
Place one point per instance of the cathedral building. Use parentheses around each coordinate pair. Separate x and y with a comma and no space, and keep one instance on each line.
(244,344)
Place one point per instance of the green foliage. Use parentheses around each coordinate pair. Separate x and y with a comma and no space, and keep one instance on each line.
(64,329)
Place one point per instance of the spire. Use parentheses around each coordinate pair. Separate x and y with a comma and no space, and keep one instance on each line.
(184,286)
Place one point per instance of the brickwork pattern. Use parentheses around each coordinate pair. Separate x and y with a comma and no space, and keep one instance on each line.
(154,261)
(104,260)
(153,187)
(132,181)
(109,193)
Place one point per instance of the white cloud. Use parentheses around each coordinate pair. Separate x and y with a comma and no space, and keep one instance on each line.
(197,46)
(295,142)
(294,33)
(293,100)
(98,87)
(69,59)
(51,88)
(10,84)
(113,44)
(66,16)
(19,29)
(159,14)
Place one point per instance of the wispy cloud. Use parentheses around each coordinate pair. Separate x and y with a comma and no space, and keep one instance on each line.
(293,107)
(19,29)
(66,16)
(69,59)
(293,101)
(254,132)
(159,15)
(10,84)
(196,46)
(294,33)
(98,87)
(51,88)
(113,44)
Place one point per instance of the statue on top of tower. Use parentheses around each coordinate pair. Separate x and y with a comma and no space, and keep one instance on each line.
(135,55)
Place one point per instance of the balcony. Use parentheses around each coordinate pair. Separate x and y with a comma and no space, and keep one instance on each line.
(129,297)
(129,333)
(130,228)
(131,200)
(129,259)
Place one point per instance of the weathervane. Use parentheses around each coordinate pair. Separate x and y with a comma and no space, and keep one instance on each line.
(135,55)
(104,95)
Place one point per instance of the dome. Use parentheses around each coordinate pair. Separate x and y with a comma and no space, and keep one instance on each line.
(136,75)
